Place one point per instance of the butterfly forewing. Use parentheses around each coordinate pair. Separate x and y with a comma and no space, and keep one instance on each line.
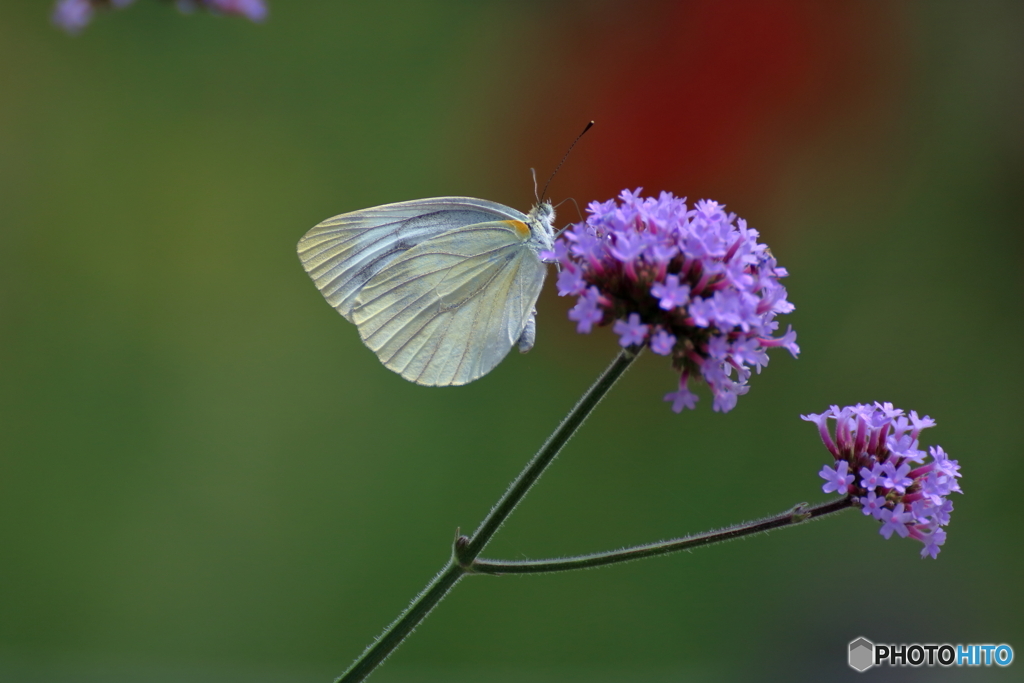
(345,252)
(448,310)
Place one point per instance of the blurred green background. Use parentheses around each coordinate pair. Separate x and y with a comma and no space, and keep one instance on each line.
(204,476)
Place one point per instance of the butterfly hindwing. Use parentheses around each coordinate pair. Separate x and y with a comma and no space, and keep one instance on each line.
(448,310)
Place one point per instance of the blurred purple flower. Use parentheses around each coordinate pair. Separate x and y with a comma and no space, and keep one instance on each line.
(587,311)
(631,332)
(696,277)
(662,342)
(880,443)
(570,282)
(671,293)
(253,10)
(74,15)
(683,398)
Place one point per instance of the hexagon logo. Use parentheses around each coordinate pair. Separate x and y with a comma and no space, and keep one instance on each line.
(862,654)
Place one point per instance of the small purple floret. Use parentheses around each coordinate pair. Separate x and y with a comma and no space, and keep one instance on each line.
(683,398)
(587,312)
(871,477)
(670,293)
(662,342)
(871,504)
(896,477)
(631,332)
(895,520)
(836,479)
(932,541)
(570,282)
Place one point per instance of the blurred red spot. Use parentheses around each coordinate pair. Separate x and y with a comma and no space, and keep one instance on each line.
(701,97)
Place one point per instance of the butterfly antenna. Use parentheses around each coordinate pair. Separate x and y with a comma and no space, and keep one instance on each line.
(578,212)
(533,172)
(573,200)
(542,194)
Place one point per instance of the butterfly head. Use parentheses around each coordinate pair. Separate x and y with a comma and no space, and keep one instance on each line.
(544,211)
(542,221)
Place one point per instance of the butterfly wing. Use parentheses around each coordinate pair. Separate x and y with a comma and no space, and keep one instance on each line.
(448,310)
(343,253)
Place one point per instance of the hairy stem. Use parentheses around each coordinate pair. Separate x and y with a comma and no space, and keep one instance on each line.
(406,622)
(797,515)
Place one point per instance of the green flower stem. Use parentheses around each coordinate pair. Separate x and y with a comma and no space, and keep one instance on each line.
(467,549)
(406,622)
(797,515)
(531,473)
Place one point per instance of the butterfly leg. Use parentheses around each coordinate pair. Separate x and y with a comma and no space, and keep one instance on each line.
(529,335)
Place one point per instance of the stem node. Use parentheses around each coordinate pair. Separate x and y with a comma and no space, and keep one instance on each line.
(460,554)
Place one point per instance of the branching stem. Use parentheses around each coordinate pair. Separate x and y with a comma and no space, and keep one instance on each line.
(466,549)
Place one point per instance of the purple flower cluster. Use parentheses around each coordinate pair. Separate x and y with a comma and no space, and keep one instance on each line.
(74,15)
(694,284)
(878,464)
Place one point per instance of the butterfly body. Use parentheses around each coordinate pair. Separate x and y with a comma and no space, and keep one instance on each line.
(440,289)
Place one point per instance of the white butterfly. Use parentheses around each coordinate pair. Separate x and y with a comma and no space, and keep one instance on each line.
(440,289)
